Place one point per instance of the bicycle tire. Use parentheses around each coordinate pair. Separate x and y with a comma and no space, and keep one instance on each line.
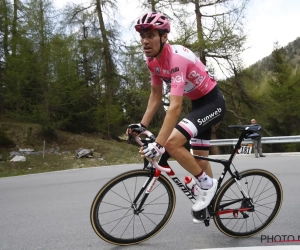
(249,178)
(124,183)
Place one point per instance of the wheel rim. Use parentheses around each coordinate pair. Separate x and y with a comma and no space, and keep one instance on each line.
(115,215)
(264,193)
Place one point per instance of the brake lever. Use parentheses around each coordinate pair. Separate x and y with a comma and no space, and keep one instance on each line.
(153,161)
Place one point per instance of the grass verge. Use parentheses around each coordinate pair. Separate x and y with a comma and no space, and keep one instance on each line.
(105,152)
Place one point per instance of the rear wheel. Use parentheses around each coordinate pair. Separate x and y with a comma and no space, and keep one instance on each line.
(265,193)
(114,216)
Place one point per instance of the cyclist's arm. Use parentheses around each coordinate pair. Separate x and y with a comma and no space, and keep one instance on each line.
(171,119)
(153,103)
(178,66)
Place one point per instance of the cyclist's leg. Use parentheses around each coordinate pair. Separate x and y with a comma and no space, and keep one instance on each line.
(200,146)
(175,147)
(206,112)
(204,165)
(163,161)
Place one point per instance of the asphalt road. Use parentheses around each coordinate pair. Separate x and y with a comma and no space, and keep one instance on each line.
(51,210)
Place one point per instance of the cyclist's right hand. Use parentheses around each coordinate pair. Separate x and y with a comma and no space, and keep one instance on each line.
(135,129)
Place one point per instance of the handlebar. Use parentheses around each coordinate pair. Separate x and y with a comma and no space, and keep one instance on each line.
(145,132)
(153,161)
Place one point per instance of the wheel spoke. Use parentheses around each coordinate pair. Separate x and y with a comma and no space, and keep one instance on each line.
(111,211)
(135,188)
(263,192)
(251,184)
(153,213)
(265,198)
(253,220)
(256,211)
(133,226)
(149,218)
(235,224)
(127,227)
(248,189)
(154,204)
(126,191)
(119,219)
(151,202)
(242,225)
(120,196)
(142,224)
(234,193)
(258,216)
(257,186)
(257,204)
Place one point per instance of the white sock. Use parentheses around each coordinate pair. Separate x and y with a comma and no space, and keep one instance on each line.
(205,181)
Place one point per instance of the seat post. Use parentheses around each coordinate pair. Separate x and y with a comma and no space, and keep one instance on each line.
(237,145)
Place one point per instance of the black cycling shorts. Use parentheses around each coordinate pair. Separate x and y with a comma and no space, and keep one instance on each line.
(206,112)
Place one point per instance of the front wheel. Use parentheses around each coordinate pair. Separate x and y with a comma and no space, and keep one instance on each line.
(264,193)
(115,216)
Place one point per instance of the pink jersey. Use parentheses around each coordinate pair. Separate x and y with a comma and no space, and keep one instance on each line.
(180,68)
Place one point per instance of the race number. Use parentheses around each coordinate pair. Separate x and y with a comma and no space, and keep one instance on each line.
(245,150)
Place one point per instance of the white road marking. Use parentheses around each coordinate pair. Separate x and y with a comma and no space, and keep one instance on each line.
(290,247)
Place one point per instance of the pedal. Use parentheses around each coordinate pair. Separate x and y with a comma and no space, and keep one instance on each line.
(206,222)
(201,215)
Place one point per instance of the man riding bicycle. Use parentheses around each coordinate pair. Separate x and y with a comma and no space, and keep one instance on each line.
(186,75)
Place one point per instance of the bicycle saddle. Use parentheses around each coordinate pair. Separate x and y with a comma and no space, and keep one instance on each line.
(249,128)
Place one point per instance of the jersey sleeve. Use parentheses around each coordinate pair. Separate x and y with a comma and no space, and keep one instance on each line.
(155,80)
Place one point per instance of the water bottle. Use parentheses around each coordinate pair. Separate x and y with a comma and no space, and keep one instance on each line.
(191,184)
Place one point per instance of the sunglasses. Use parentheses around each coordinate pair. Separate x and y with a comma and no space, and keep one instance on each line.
(146,26)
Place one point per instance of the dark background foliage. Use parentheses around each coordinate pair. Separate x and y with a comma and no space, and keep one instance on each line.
(70,70)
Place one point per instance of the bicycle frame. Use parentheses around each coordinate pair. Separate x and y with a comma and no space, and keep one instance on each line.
(156,172)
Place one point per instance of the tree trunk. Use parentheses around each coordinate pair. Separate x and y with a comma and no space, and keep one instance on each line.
(201,42)
(6,22)
(153,3)
(14,27)
(86,67)
(109,75)
(201,49)
(106,45)
(43,67)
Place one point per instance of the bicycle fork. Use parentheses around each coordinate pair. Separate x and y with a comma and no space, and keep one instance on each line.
(145,191)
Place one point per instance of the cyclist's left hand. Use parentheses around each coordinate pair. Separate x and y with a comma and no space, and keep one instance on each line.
(152,150)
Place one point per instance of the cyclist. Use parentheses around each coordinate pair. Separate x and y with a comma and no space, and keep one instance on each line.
(186,75)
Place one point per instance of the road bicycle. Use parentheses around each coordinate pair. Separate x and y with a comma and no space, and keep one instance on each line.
(136,205)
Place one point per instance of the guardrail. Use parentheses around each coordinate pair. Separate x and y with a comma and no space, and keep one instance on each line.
(264,140)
